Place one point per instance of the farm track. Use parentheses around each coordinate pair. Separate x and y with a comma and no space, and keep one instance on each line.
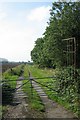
(19,107)
(53,110)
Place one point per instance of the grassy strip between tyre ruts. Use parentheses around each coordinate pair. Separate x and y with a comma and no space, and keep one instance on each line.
(34,100)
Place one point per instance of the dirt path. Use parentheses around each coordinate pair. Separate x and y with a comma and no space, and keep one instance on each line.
(19,107)
(53,110)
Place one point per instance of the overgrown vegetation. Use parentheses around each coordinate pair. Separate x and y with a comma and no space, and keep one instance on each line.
(66,86)
(49,52)
(8,88)
(63,23)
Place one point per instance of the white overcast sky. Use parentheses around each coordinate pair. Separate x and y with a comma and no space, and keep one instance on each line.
(21,23)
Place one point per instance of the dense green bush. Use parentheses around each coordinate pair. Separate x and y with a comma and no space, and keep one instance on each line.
(63,23)
(67,84)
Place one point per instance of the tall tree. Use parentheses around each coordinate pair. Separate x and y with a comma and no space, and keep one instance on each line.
(63,23)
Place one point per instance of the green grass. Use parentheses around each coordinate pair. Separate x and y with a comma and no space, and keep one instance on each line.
(11,76)
(9,85)
(51,83)
(33,98)
(36,72)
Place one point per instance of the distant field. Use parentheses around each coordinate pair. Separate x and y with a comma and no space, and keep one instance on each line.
(9,65)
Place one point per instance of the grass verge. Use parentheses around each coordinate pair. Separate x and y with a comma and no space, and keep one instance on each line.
(8,86)
(65,99)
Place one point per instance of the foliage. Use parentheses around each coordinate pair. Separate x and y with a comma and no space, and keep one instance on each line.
(63,23)
(67,86)
(64,81)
